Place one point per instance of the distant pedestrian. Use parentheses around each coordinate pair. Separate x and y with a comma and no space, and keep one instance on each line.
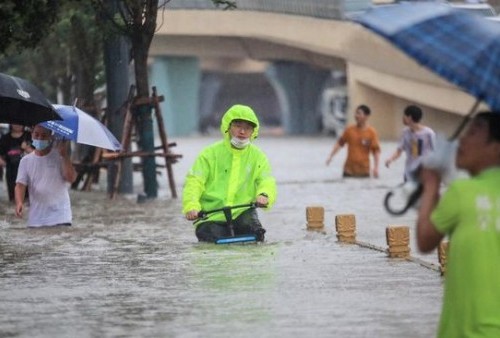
(361,140)
(416,141)
(469,214)
(13,146)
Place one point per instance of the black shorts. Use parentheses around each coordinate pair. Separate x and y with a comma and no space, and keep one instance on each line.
(245,224)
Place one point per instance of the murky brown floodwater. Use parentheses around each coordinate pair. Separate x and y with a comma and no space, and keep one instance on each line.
(135,270)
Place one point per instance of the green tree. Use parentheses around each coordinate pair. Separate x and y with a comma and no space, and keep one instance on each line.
(136,19)
(66,62)
(24,23)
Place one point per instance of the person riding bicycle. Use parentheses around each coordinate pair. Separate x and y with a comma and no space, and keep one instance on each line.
(230,172)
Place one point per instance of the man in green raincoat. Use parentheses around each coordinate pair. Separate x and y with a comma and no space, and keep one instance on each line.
(230,172)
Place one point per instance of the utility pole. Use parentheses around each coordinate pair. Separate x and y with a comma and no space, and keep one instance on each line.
(116,62)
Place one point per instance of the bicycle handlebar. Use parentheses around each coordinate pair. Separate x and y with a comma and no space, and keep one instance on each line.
(203,213)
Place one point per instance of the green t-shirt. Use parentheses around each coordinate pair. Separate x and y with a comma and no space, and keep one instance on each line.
(469,212)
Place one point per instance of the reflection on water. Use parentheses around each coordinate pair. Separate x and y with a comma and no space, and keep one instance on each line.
(136,270)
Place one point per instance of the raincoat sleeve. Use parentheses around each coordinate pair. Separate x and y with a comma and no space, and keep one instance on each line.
(195,184)
(265,182)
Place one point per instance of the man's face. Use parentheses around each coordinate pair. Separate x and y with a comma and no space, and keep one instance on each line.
(360,117)
(40,133)
(241,129)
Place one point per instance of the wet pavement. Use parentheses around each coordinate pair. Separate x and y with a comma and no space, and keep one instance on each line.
(136,270)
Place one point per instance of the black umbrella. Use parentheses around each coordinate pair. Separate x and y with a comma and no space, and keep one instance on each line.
(22,103)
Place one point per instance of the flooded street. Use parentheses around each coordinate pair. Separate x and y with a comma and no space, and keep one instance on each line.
(136,270)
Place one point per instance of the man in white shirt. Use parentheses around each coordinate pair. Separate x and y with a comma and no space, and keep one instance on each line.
(47,174)
(417,140)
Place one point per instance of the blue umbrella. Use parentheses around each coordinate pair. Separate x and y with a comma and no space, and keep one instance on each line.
(78,126)
(461,47)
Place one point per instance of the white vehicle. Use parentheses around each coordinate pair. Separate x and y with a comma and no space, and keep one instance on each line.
(334,110)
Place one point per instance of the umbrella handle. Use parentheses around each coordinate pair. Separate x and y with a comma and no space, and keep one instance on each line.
(413,197)
(465,120)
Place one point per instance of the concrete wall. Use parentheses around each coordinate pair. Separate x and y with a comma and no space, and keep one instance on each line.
(379,75)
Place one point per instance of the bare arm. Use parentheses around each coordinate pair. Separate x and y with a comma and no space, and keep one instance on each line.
(68,171)
(19,195)
(428,238)
(335,149)
(394,157)
(376,160)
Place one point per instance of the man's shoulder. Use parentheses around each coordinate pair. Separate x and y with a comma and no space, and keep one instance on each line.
(350,129)
(428,130)
(256,149)
(28,157)
(371,130)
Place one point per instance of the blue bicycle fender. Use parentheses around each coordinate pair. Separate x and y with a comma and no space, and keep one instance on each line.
(237,239)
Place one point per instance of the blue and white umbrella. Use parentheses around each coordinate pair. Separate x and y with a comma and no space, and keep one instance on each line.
(462,48)
(78,126)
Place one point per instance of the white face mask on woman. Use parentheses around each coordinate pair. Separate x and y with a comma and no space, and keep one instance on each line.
(240,143)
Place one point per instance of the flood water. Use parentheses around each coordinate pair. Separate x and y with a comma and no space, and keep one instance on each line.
(136,270)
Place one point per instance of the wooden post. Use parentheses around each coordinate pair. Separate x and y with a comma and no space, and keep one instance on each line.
(169,157)
(315,218)
(126,136)
(398,239)
(164,143)
(93,172)
(346,228)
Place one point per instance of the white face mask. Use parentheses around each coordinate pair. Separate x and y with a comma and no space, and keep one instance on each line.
(40,144)
(239,143)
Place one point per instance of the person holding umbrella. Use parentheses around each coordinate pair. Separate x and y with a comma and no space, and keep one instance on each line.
(46,174)
(469,213)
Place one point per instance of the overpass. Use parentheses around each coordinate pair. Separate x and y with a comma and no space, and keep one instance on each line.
(295,45)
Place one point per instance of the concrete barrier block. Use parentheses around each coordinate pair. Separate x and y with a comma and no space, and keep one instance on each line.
(398,240)
(346,228)
(442,256)
(315,216)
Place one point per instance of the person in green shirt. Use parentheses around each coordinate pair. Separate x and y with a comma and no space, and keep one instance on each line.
(229,172)
(468,212)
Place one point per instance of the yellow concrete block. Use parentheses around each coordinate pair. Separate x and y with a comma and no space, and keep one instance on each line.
(443,256)
(346,228)
(315,216)
(398,240)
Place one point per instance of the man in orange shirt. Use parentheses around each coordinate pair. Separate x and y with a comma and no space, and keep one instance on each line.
(361,140)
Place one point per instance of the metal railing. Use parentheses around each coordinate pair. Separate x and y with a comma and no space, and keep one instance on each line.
(326,9)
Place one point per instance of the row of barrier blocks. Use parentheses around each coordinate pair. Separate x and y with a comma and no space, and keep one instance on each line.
(397,237)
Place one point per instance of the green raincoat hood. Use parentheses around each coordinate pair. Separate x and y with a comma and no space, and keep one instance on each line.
(239,112)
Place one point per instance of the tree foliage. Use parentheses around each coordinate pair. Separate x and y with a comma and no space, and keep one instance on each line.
(24,23)
(67,62)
